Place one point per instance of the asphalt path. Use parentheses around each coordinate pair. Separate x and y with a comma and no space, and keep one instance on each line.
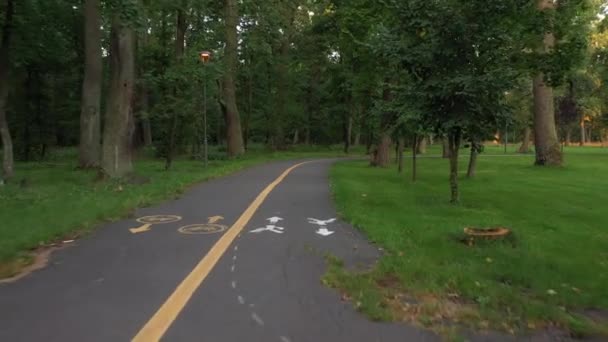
(239,259)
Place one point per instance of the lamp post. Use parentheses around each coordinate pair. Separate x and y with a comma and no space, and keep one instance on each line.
(205,56)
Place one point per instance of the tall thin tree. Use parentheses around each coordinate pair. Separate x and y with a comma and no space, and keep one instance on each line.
(7,142)
(545,134)
(90,116)
(234,136)
(116,151)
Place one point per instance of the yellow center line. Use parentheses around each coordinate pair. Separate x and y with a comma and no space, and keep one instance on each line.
(158,325)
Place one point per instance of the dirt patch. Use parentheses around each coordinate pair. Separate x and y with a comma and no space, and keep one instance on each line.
(15,270)
(389,281)
(22,267)
(431,311)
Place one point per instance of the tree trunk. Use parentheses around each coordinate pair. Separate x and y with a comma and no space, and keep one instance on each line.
(421,149)
(357,141)
(454,139)
(446,148)
(116,151)
(583,131)
(180,41)
(568,136)
(525,144)
(296,136)
(249,114)
(545,135)
(604,135)
(400,148)
(313,99)
(144,96)
(415,159)
(473,160)
(89,151)
(348,133)
(381,156)
(7,142)
(234,134)
(145,120)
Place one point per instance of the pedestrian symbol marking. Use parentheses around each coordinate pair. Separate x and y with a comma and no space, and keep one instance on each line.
(269,228)
(274,220)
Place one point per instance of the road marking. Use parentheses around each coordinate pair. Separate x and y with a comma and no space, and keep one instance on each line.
(285,339)
(215,219)
(241,299)
(269,228)
(232,268)
(234,258)
(320,222)
(274,219)
(142,229)
(205,228)
(233,284)
(236,248)
(160,322)
(324,232)
(257,319)
(148,221)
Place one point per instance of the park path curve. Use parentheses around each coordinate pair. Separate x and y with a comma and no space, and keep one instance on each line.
(264,287)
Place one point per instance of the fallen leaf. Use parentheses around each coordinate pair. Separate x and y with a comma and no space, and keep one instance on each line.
(489,260)
(551,292)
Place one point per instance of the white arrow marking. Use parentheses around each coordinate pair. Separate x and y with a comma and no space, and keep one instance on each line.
(269,227)
(320,222)
(274,219)
(324,232)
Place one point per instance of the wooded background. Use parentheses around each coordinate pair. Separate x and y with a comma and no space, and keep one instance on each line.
(116,76)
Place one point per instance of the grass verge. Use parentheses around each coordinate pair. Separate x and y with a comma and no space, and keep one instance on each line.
(553,273)
(53,200)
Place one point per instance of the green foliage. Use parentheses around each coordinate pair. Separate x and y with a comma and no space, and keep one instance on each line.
(559,244)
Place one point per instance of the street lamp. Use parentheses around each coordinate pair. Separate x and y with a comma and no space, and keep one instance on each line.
(205,57)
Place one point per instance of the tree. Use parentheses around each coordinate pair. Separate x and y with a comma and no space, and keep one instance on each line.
(234,136)
(545,134)
(116,151)
(7,142)
(90,116)
(457,73)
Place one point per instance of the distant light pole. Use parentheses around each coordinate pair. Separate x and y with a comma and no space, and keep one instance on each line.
(205,56)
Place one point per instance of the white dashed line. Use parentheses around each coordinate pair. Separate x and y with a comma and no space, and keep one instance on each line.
(285,339)
(233,284)
(236,248)
(232,268)
(257,318)
(241,299)
(234,258)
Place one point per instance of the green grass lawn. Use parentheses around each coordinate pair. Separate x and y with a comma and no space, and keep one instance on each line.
(553,270)
(60,201)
